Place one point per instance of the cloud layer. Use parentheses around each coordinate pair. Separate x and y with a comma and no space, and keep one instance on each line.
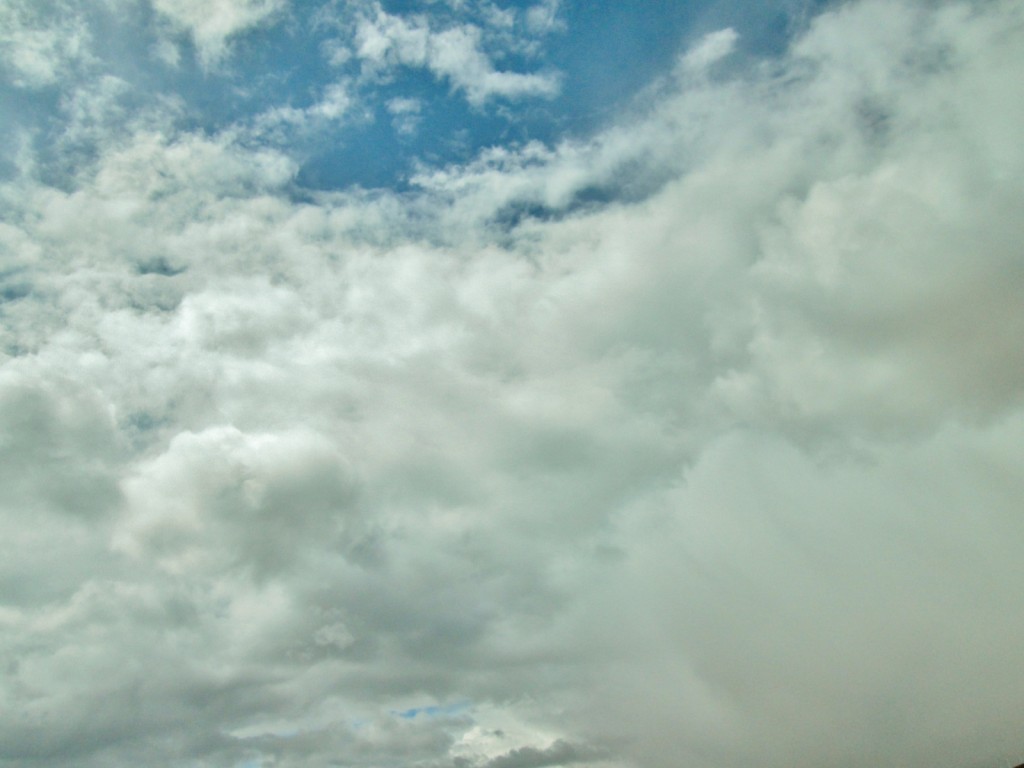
(696,441)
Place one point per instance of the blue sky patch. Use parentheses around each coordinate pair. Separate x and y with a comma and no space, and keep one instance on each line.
(364,93)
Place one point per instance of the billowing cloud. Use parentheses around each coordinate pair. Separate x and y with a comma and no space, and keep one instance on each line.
(696,441)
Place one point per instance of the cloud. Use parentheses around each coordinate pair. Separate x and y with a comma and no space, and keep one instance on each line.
(713,47)
(543,17)
(693,441)
(212,24)
(280,124)
(39,48)
(454,53)
(786,604)
(558,753)
(405,115)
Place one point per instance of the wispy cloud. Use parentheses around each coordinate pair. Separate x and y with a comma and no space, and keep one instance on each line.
(212,23)
(37,48)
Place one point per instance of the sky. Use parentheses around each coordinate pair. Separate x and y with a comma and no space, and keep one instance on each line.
(490,384)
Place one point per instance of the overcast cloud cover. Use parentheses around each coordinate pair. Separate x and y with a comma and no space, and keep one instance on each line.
(417,384)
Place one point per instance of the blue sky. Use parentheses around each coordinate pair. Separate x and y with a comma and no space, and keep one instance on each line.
(597,57)
(479,384)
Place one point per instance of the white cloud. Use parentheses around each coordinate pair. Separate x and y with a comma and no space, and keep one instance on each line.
(39,48)
(714,47)
(212,23)
(698,441)
(454,53)
(405,115)
(543,17)
(279,124)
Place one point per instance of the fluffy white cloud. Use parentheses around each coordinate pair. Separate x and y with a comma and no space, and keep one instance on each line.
(695,442)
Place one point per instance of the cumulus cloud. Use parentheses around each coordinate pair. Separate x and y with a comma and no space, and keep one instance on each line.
(695,442)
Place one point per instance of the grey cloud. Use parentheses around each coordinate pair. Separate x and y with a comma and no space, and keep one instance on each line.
(724,472)
(275,495)
(60,450)
(789,602)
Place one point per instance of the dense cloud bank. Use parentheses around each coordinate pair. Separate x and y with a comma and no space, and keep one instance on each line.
(695,443)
